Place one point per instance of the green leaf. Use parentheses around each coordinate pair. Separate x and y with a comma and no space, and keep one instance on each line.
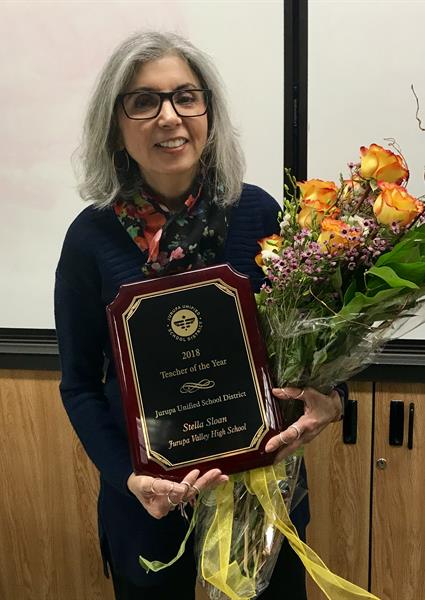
(403,252)
(350,291)
(390,277)
(411,248)
(360,302)
(413,271)
(336,279)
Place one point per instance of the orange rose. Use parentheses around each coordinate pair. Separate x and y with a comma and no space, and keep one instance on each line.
(381,164)
(318,194)
(307,216)
(270,247)
(318,199)
(273,242)
(337,235)
(395,205)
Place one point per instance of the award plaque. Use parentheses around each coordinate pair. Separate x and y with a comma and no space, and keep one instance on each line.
(193,373)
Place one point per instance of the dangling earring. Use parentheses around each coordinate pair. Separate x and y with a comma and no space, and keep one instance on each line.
(117,167)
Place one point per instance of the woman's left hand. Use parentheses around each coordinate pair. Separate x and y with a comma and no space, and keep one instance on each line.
(319,411)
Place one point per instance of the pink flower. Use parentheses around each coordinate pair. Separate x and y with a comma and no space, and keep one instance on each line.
(190,201)
(177,253)
(154,246)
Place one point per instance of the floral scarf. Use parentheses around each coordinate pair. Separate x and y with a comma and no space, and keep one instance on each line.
(172,242)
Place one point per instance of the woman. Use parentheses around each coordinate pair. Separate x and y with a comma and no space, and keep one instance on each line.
(163,168)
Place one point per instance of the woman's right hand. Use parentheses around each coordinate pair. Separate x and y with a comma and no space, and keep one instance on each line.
(159,496)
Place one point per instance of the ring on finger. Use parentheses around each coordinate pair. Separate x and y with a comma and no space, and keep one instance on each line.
(195,487)
(300,395)
(186,483)
(171,503)
(284,442)
(297,429)
(152,490)
(170,491)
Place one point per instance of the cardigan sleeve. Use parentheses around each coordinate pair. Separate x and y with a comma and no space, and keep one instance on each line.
(82,334)
(271,210)
(254,217)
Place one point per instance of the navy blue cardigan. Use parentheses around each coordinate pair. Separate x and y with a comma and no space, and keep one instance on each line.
(97,257)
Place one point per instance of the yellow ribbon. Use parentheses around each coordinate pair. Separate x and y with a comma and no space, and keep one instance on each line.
(215,567)
(157,565)
(227,576)
(215,557)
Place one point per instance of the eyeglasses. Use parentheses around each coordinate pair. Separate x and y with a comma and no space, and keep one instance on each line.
(148,105)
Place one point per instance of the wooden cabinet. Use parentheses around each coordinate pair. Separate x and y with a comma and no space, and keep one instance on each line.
(398,516)
(368,523)
(48,524)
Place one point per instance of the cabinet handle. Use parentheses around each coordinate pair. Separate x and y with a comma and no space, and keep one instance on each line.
(396,423)
(410,426)
(349,424)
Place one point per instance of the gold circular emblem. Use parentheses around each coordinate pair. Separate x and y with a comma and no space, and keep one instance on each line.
(184,322)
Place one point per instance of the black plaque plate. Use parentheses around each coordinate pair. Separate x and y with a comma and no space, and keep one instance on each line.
(193,373)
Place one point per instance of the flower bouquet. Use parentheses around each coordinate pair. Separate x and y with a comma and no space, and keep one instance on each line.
(346,270)
(236,540)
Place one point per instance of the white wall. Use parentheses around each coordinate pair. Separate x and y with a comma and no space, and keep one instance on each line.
(363,57)
(51,53)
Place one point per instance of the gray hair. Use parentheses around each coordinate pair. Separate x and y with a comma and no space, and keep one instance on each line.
(101,180)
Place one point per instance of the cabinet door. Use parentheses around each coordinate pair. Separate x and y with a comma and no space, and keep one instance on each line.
(339,481)
(48,527)
(398,522)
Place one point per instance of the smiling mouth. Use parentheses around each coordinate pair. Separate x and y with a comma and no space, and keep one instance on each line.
(176,143)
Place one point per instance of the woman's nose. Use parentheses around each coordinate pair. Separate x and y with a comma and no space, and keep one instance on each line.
(168,115)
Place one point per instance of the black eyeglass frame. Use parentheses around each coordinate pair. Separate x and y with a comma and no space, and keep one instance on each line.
(165,96)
